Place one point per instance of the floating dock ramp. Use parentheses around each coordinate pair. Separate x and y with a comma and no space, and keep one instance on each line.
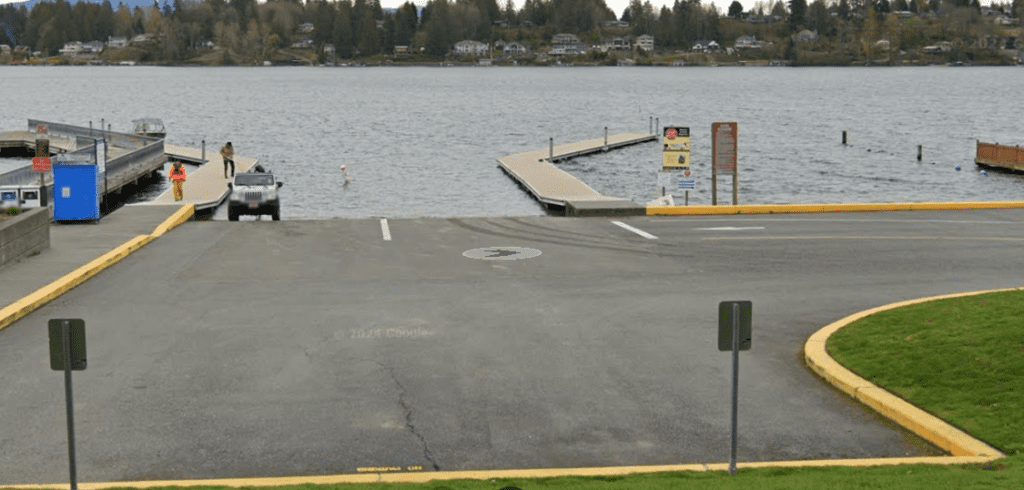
(559,191)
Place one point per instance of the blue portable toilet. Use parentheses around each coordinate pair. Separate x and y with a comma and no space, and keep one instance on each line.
(76,192)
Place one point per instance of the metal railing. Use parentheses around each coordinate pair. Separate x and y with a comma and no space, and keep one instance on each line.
(144,154)
(19,176)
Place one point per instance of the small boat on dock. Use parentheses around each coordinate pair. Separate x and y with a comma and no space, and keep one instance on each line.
(1000,157)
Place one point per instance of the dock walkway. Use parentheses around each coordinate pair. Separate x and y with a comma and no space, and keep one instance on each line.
(205,187)
(558,190)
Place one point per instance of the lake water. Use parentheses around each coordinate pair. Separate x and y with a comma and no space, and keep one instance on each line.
(423,141)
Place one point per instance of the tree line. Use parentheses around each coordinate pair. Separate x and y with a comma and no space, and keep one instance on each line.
(181,29)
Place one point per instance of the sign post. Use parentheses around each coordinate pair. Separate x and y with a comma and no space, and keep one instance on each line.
(734,333)
(723,156)
(67,353)
(675,143)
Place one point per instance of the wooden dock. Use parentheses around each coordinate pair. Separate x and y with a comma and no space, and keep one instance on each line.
(205,187)
(27,140)
(1000,157)
(560,191)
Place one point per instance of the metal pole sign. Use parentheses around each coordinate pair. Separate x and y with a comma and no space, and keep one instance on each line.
(723,156)
(734,333)
(67,353)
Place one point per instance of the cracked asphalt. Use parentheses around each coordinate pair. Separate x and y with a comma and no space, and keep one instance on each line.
(264,348)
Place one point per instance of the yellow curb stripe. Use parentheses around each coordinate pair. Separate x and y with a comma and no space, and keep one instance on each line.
(427,476)
(929,427)
(19,309)
(180,216)
(826,208)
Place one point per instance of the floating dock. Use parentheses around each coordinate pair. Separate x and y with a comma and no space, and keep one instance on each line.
(205,187)
(129,158)
(559,191)
(1000,157)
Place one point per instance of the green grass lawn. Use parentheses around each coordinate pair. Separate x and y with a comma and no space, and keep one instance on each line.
(960,359)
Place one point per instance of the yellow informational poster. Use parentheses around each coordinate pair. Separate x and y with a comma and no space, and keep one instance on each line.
(675,144)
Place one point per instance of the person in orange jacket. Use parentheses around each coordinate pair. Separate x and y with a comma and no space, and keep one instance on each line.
(178,177)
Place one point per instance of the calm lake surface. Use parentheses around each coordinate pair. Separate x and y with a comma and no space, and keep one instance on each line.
(423,141)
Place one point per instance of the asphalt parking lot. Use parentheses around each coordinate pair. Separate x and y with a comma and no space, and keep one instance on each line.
(266,348)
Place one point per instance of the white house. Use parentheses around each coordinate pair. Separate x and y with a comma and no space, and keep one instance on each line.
(471,48)
(706,46)
(645,42)
(747,42)
(515,49)
(71,49)
(617,43)
(806,36)
(116,42)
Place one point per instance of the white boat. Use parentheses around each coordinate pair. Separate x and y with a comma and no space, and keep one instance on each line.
(149,126)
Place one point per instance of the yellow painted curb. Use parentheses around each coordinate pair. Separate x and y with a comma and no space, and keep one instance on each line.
(922,423)
(826,208)
(19,309)
(180,216)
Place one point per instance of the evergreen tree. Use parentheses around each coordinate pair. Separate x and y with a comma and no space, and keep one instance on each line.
(797,14)
(735,9)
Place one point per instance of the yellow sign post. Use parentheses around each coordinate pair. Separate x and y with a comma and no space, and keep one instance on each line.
(675,144)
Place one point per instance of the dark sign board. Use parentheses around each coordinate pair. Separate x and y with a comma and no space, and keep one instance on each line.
(76,329)
(725,322)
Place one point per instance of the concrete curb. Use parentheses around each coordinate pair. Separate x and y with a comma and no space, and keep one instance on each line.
(19,309)
(931,428)
(826,208)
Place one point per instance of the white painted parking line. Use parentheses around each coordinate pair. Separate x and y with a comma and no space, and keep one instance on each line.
(635,230)
(384,230)
(732,228)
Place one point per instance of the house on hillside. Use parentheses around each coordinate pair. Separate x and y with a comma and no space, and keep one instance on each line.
(747,42)
(706,46)
(806,36)
(616,43)
(567,44)
(645,42)
(73,48)
(515,49)
(117,42)
(470,48)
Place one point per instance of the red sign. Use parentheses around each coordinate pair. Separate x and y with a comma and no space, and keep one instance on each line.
(723,146)
(671,133)
(41,164)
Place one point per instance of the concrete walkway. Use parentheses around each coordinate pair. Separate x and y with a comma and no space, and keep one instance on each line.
(78,251)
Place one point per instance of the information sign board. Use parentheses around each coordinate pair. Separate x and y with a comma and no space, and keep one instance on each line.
(41,164)
(675,143)
(723,146)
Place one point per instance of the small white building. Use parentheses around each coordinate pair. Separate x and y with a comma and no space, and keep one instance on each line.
(515,49)
(747,42)
(72,49)
(117,42)
(645,42)
(470,48)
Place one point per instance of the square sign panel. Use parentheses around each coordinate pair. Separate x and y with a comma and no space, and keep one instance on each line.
(725,321)
(76,329)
